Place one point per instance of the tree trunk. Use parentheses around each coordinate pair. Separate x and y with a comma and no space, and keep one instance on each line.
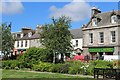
(62,57)
(54,56)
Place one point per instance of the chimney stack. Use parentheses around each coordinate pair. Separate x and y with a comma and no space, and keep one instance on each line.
(95,11)
(38,28)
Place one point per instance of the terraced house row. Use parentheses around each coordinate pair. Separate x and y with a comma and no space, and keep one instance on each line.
(100,36)
(28,37)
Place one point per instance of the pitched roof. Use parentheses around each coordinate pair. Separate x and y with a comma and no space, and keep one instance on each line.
(77,33)
(105,18)
(35,36)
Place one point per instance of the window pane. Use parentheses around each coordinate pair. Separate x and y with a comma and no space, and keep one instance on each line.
(76,43)
(21,43)
(26,43)
(101,37)
(113,37)
(17,43)
(91,37)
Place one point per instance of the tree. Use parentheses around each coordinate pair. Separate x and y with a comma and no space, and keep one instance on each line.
(56,36)
(7,40)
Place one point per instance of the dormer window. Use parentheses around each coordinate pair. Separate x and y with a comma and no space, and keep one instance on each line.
(94,22)
(29,34)
(21,35)
(113,19)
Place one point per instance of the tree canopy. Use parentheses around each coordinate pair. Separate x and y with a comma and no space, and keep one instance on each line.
(56,36)
(7,39)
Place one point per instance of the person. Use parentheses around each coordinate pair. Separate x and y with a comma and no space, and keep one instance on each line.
(87,58)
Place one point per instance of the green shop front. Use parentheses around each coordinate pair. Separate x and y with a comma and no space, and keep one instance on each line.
(97,53)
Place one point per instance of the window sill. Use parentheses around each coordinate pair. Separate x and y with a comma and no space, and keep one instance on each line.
(101,43)
(90,43)
(112,42)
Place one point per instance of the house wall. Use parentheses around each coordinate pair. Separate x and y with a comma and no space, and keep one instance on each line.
(107,38)
(24,47)
(80,44)
(119,40)
(35,43)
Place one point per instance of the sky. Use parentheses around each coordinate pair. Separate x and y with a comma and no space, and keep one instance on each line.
(29,14)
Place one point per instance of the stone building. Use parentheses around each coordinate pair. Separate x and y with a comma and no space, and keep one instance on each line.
(101,36)
(25,39)
(28,37)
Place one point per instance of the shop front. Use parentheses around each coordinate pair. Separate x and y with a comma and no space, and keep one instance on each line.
(97,53)
(19,51)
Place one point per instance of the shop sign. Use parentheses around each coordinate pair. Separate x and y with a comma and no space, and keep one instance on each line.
(101,49)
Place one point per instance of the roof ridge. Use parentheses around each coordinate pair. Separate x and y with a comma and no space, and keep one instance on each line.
(108,12)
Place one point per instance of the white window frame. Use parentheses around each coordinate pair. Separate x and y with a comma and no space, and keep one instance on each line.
(29,34)
(76,43)
(21,35)
(114,19)
(100,39)
(94,22)
(113,36)
(21,43)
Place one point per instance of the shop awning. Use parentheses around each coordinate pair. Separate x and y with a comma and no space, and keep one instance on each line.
(101,49)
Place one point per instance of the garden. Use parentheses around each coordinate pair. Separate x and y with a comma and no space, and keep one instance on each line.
(38,59)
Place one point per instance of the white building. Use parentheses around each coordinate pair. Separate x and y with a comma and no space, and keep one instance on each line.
(27,38)
(77,41)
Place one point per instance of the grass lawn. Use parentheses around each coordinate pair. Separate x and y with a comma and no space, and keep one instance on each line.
(31,74)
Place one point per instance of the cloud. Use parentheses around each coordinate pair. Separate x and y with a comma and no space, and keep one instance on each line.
(76,10)
(11,7)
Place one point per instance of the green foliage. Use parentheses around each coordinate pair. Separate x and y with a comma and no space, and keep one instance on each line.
(118,63)
(71,67)
(98,64)
(42,66)
(103,64)
(75,67)
(33,55)
(10,64)
(56,36)
(60,68)
(7,40)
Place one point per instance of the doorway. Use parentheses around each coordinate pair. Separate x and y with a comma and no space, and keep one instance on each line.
(100,55)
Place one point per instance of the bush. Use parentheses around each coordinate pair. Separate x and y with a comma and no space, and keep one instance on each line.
(42,66)
(33,55)
(98,64)
(75,67)
(60,68)
(10,64)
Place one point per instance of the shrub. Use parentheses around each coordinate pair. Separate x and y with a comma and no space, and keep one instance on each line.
(33,55)
(60,68)
(74,70)
(10,64)
(104,64)
(42,66)
(98,64)
(75,67)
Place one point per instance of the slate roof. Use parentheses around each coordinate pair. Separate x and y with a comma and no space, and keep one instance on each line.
(35,36)
(105,18)
(77,33)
